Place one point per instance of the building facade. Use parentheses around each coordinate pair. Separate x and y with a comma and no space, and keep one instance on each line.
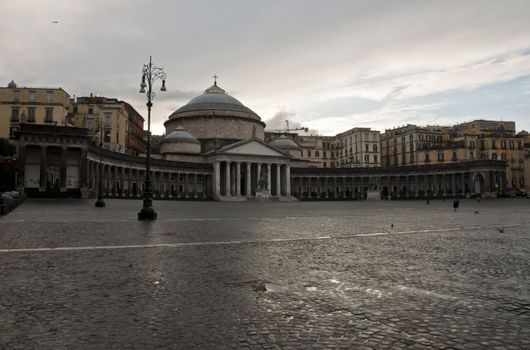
(135,140)
(46,106)
(476,140)
(215,148)
(105,118)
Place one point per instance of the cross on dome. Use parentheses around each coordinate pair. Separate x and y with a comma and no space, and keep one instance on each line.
(215,76)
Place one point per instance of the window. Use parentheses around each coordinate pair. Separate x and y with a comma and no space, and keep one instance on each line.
(454,156)
(48,118)
(375,147)
(503,144)
(411,138)
(494,156)
(427,157)
(367,158)
(108,120)
(317,154)
(375,158)
(16,96)
(32,95)
(49,96)
(440,157)
(503,156)
(512,145)
(367,147)
(471,155)
(493,144)
(15,114)
(471,144)
(75,109)
(90,110)
(31,114)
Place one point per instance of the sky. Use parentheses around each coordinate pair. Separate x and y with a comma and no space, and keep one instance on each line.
(326,65)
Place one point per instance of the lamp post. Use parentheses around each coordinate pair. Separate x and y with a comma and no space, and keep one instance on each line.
(150,74)
(100,203)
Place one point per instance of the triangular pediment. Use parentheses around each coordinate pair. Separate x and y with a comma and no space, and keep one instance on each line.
(252,147)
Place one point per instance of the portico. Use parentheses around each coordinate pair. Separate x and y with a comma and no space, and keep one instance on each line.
(244,170)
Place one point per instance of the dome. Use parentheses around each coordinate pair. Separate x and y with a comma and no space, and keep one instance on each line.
(284,143)
(180,135)
(215,98)
(12,85)
(216,119)
(177,142)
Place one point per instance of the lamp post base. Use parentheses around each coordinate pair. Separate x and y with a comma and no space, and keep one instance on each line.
(100,203)
(147,214)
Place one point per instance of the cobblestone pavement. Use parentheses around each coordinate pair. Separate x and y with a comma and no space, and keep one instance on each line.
(310,275)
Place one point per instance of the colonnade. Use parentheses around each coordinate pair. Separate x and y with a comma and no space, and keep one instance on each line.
(128,182)
(246,178)
(356,186)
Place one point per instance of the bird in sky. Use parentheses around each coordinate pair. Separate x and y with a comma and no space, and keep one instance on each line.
(55,22)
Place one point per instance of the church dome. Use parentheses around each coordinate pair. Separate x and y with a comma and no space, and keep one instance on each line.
(12,85)
(180,141)
(284,143)
(216,119)
(180,135)
(214,98)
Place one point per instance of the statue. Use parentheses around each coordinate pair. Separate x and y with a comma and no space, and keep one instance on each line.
(262,182)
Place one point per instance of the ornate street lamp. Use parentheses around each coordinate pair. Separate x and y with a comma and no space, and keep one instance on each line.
(150,74)
(100,203)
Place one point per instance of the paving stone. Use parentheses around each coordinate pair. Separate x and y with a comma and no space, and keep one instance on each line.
(437,280)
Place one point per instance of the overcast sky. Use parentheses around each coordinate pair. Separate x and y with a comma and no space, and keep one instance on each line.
(327,65)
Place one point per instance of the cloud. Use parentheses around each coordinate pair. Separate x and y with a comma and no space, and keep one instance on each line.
(390,53)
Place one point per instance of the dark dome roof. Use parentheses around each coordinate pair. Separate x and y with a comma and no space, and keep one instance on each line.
(284,143)
(180,135)
(12,85)
(215,98)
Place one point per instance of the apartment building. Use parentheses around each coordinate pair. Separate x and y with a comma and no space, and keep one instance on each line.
(33,105)
(105,118)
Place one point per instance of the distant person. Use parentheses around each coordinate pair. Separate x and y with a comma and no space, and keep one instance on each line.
(456,203)
(427,200)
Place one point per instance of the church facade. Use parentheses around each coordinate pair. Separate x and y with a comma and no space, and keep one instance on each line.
(214,149)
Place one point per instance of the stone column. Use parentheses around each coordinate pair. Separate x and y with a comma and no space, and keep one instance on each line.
(278,181)
(288,180)
(248,182)
(269,180)
(238,179)
(464,183)
(453,184)
(217,180)
(416,185)
(228,190)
